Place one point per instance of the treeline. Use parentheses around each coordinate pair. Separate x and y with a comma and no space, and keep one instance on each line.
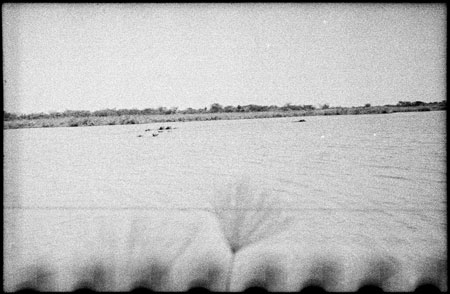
(214,108)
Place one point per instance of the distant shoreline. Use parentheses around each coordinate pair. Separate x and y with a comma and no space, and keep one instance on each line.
(91,120)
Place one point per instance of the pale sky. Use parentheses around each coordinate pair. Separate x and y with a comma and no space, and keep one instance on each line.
(96,56)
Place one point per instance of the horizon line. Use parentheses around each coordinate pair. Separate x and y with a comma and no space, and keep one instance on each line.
(320,105)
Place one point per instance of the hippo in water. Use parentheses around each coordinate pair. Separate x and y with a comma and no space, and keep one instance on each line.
(155,134)
(302,120)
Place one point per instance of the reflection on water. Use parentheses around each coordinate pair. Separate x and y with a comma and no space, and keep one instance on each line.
(369,182)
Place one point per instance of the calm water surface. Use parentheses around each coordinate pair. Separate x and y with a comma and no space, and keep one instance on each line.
(364,183)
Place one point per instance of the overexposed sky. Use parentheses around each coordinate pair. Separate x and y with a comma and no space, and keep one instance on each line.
(96,56)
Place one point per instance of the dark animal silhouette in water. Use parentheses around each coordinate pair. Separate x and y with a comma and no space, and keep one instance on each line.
(155,134)
(168,128)
(161,128)
(148,130)
(302,120)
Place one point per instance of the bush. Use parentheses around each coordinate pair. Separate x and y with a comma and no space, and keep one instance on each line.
(87,122)
(215,107)
(73,122)
(129,121)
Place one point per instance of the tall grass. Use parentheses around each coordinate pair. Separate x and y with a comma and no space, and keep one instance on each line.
(247,216)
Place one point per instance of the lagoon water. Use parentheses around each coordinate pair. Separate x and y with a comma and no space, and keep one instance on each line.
(357,190)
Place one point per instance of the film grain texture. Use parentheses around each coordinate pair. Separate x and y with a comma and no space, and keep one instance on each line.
(337,202)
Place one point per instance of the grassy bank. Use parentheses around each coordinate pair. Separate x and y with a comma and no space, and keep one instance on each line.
(179,117)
